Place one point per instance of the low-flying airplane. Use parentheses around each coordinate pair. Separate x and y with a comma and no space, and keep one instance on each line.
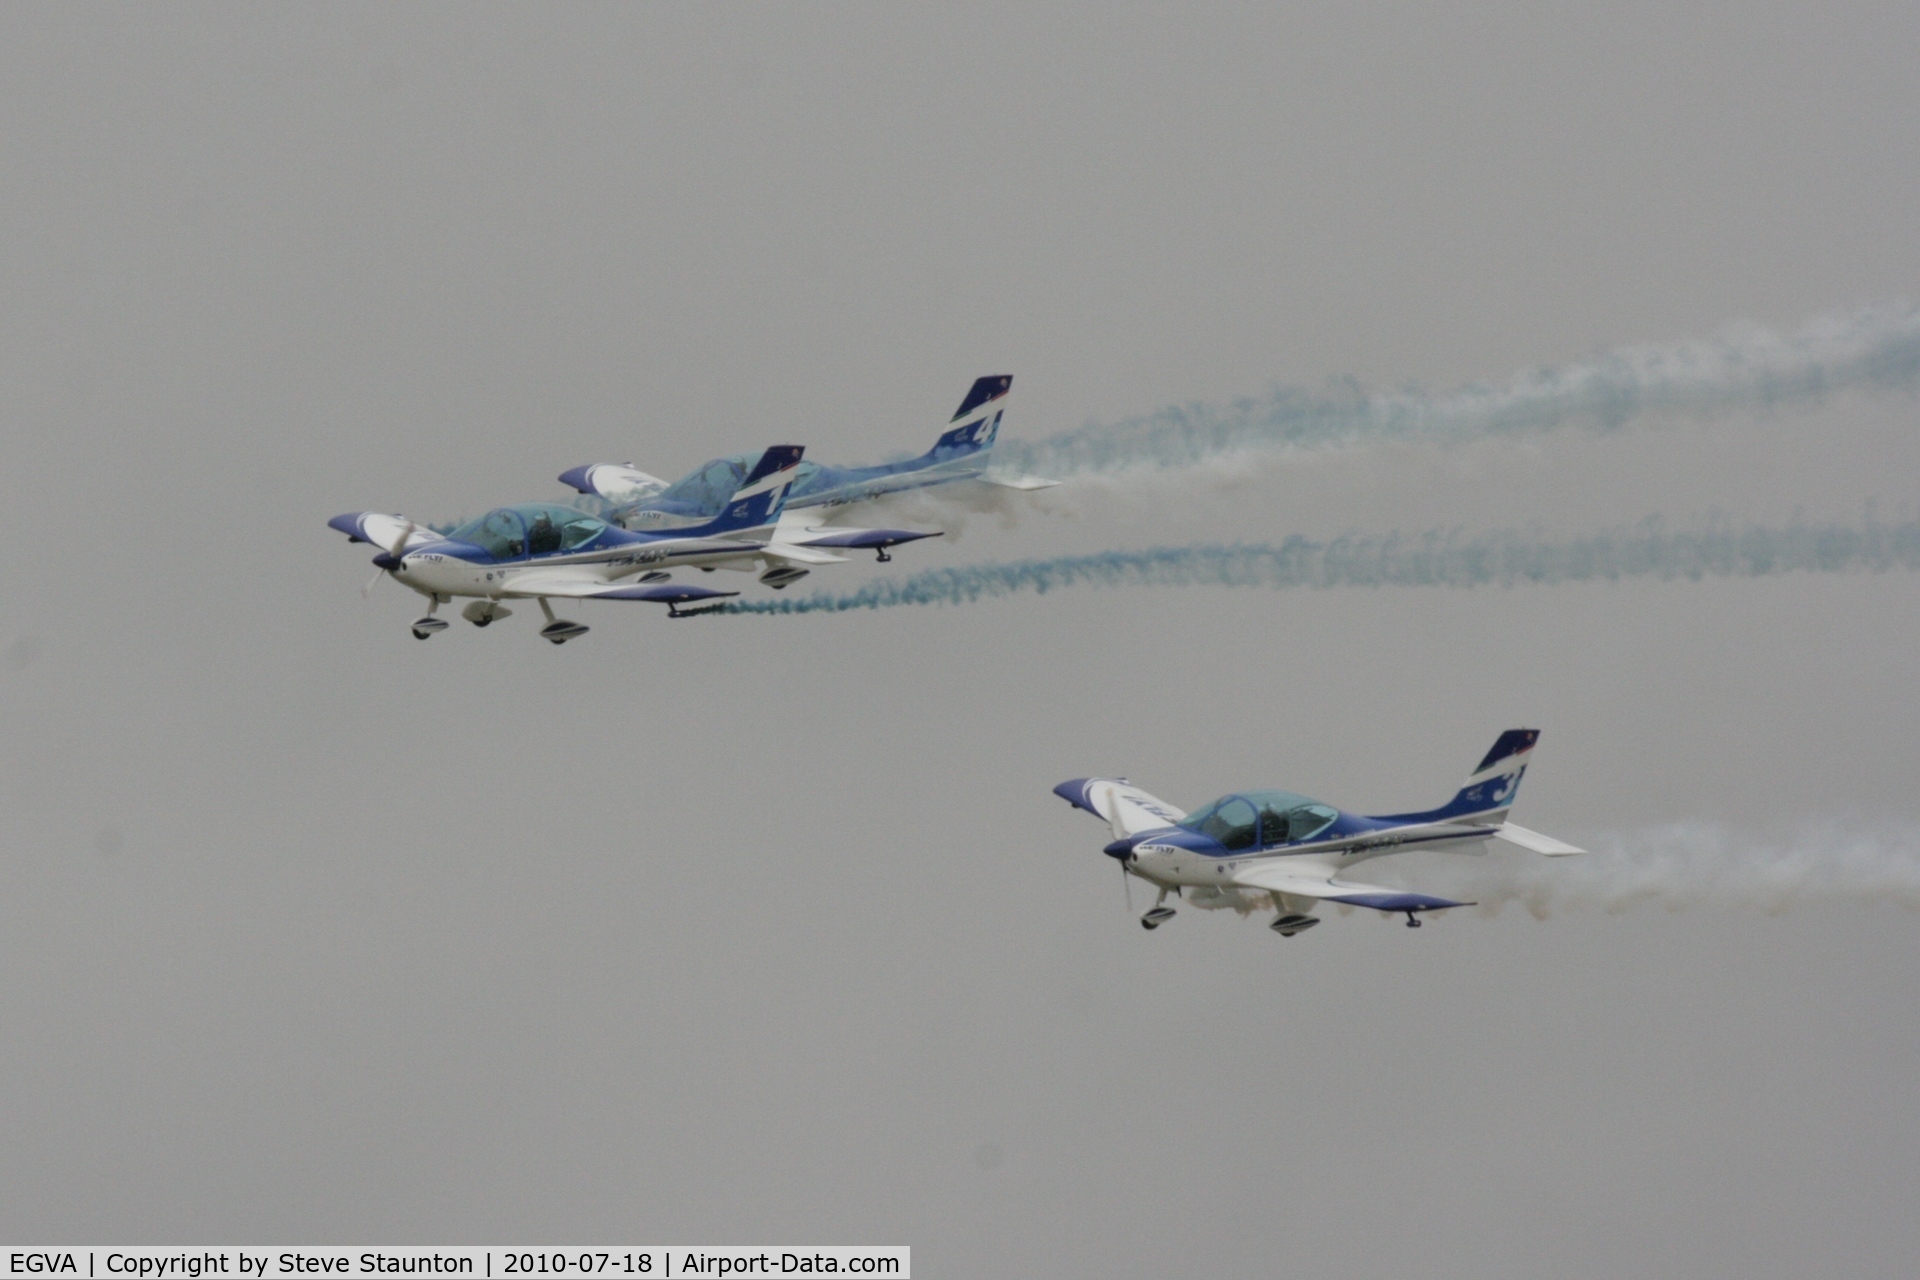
(641,501)
(1257,846)
(542,551)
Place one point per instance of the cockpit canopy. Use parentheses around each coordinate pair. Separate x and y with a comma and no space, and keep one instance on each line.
(706,491)
(1261,819)
(530,529)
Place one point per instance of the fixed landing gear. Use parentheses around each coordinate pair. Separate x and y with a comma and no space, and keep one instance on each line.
(1288,925)
(428,624)
(1159,915)
(880,554)
(1413,921)
(558,630)
(483,613)
(781,578)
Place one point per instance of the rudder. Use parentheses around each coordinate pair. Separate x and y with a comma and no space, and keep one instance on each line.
(977,421)
(757,503)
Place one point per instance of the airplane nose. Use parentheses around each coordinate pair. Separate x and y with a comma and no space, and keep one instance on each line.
(387,560)
(1121,849)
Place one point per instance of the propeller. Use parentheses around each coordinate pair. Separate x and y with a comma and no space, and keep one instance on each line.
(388,560)
(1119,830)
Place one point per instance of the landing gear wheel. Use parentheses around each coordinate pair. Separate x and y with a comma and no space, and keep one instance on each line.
(1413,921)
(1156,917)
(1287,926)
(484,613)
(424,627)
(558,630)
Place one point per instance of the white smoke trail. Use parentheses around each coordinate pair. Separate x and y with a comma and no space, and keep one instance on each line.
(1696,864)
(1436,558)
(1748,370)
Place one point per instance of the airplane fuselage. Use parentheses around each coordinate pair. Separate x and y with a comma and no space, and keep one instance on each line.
(1176,857)
(843,487)
(439,569)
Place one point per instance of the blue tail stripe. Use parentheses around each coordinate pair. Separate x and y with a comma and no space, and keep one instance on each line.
(991,387)
(777,458)
(1510,743)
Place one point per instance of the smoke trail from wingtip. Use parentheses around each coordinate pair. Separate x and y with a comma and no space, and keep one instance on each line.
(1754,370)
(1436,558)
(1699,865)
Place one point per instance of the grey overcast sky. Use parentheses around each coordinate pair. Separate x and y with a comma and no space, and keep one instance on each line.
(768,930)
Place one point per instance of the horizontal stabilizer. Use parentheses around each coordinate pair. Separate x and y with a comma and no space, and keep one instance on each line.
(1023,483)
(1534,841)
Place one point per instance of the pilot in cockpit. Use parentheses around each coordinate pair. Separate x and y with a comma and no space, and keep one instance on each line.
(542,536)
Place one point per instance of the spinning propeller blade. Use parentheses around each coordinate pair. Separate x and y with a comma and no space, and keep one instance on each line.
(1127,882)
(388,560)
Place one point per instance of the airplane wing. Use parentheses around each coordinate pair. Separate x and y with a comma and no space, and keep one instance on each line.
(1311,878)
(382,530)
(807,529)
(794,554)
(565,586)
(616,482)
(1123,806)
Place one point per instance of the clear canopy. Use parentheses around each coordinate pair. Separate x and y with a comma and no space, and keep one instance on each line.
(1261,818)
(531,528)
(706,490)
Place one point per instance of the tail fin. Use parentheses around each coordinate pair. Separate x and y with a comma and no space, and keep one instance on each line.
(757,503)
(977,420)
(1490,789)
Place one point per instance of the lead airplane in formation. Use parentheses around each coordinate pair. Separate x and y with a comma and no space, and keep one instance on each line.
(542,551)
(1254,847)
(636,500)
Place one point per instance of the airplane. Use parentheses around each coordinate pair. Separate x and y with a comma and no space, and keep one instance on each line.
(641,501)
(544,551)
(1252,847)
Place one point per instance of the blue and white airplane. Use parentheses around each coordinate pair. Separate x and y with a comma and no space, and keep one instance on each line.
(543,551)
(640,501)
(1255,847)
